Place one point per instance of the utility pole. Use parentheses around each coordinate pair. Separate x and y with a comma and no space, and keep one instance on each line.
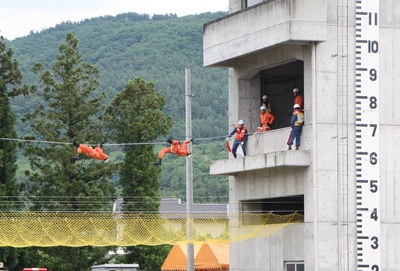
(189,175)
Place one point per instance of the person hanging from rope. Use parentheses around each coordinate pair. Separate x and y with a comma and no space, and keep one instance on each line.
(174,149)
(96,153)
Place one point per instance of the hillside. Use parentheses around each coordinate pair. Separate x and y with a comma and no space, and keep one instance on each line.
(158,49)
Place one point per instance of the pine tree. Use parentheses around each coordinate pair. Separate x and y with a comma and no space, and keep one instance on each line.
(136,116)
(10,87)
(71,111)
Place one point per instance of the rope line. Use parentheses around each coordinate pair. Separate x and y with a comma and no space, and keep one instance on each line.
(104,144)
(34,141)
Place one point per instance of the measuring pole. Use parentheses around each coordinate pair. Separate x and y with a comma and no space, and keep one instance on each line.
(189,175)
(367,135)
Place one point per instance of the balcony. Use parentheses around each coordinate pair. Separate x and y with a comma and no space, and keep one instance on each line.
(268,24)
(266,150)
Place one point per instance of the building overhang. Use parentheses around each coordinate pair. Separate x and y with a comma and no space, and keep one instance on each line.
(263,26)
(299,158)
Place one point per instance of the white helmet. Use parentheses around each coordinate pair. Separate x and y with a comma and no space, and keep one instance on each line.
(296,90)
(265,97)
(263,107)
(240,122)
(296,106)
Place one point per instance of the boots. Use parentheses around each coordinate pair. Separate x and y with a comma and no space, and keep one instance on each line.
(169,140)
(73,159)
(158,163)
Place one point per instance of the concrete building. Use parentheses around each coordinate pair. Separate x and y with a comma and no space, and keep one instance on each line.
(175,206)
(343,57)
(115,267)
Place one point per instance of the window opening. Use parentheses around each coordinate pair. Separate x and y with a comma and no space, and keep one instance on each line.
(278,84)
(294,266)
(278,206)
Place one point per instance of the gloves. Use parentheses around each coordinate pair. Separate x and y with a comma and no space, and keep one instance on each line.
(227,138)
(242,143)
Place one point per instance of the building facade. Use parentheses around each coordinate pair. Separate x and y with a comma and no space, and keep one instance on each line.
(342,56)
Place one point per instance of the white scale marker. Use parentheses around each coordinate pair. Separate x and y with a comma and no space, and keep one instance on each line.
(367,135)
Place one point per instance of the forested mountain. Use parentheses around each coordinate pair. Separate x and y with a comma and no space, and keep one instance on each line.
(157,49)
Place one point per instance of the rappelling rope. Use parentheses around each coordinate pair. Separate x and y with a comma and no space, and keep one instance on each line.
(105,144)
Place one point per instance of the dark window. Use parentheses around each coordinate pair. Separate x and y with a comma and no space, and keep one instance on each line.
(249,3)
(278,84)
(280,206)
(294,266)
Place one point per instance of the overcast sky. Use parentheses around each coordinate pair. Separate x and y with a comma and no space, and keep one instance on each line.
(19,17)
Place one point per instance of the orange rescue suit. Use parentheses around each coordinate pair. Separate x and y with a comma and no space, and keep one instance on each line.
(265,119)
(299,99)
(175,149)
(96,153)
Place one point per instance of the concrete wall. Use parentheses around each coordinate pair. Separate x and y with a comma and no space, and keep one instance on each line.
(389,131)
(318,245)
(263,25)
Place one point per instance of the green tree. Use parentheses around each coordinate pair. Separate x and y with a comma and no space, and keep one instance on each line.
(10,87)
(148,257)
(71,110)
(132,45)
(136,116)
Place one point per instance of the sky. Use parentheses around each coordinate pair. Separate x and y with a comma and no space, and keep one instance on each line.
(19,17)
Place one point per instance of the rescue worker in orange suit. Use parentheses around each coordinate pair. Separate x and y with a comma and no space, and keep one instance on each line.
(298,98)
(96,153)
(266,120)
(296,123)
(174,149)
(266,103)
(241,136)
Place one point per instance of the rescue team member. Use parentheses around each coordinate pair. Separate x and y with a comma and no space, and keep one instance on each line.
(175,149)
(298,98)
(240,137)
(96,153)
(296,123)
(266,103)
(266,120)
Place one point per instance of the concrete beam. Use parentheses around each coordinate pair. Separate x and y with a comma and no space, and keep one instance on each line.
(299,158)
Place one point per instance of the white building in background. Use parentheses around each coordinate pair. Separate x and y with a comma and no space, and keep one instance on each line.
(115,267)
(344,57)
